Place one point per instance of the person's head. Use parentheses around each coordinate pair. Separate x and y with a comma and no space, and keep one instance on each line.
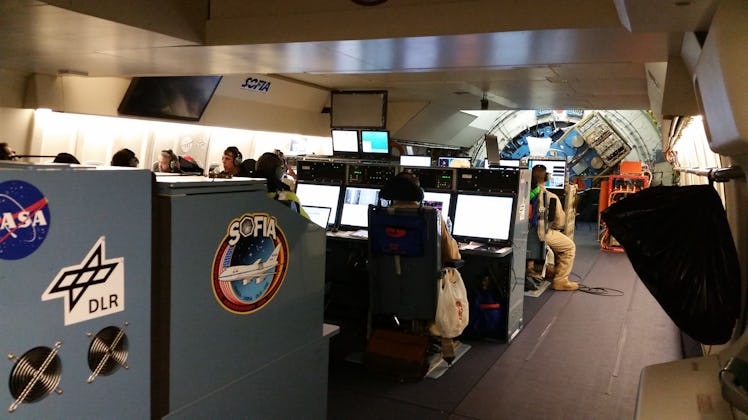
(168,161)
(65,158)
(232,159)
(402,187)
(7,152)
(248,167)
(125,157)
(539,175)
(270,166)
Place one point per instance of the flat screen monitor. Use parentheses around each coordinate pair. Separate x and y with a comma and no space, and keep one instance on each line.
(345,141)
(556,170)
(437,200)
(320,196)
(486,218)
(318,215)
(356,206)
(169,97)
(513,163)
(358,109)
(408,160)
(454,162)
(375,142)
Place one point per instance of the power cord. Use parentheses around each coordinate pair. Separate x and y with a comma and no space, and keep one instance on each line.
(598,291)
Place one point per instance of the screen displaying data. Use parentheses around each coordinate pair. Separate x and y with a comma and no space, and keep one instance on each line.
(318,215)
(483,216)
(437,200)
(345,141)
(409,160)
(375,142)
(356,206)
(556,170)
(320,196)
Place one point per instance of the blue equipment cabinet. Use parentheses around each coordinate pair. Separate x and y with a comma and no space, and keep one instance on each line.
(75,268)
(238,289)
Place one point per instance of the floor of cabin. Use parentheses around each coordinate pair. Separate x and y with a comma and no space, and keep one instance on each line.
(578,356)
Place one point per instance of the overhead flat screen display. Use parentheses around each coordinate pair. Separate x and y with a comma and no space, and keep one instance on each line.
(173,97)
(375,142)
(359,109)
(483,217)
(320,196)
(345,141)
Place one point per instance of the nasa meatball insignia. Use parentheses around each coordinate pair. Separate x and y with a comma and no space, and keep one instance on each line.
(25,219)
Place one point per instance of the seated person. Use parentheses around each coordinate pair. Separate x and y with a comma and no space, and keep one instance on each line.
(289,176)
(125,157)
(65,158)
(270,166)
(247,168)
(404,190)
(7,152)
(549,231)
(232,160)
(167,162)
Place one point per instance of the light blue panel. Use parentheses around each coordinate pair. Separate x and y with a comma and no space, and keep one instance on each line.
(84,204)
(211,347)
(293,386)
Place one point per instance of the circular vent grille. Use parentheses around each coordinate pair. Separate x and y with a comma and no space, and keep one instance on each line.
(108,351)
(35,375)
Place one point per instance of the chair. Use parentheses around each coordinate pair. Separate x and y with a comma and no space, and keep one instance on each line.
(404,262)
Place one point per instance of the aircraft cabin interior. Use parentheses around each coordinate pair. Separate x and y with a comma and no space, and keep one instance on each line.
(360,209)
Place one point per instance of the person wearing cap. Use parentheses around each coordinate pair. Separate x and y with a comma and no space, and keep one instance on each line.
(271,167)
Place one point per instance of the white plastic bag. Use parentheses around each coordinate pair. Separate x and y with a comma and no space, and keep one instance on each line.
(452,311)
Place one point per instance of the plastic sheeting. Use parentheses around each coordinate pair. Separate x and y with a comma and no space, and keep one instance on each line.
(679,243)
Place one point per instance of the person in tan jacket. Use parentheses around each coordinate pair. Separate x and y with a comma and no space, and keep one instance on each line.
(550,219)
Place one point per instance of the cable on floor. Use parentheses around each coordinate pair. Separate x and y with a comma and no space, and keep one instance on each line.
(598,291)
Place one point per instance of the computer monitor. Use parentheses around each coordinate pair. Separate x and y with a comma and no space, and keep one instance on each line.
(344,141)
(375,141)
(437,200)
(453,162)
(318,215)
(409,160)
(556,170)
(356,206)
(513,163)
(320,196)
(485,218)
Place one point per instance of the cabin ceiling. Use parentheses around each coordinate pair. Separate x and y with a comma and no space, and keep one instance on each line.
(583,54)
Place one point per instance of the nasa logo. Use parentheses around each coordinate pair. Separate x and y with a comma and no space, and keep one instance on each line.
(257,85)
(25,219)
(250,264)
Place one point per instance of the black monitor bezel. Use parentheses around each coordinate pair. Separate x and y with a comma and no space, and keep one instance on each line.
(342,226)
(339,207)
(464,238)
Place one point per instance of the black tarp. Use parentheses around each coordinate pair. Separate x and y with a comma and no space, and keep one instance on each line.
(679,243)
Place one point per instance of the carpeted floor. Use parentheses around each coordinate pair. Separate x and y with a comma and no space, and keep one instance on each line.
(578,356)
